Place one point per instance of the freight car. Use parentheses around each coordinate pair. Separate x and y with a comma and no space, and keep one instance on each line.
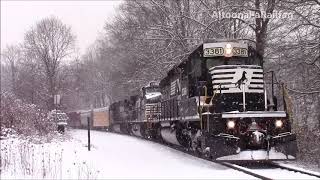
(100,121)
(101,118)
(217,103)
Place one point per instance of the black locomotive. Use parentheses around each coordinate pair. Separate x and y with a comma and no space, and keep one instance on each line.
(215,103)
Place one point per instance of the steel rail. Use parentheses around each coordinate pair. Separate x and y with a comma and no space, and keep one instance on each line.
(275,164)
(244,170)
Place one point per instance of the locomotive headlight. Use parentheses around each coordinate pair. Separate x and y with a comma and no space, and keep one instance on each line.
(231,124)
(278,123)
(228,50)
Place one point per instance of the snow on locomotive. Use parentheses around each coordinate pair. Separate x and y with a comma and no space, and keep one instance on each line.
(215,103)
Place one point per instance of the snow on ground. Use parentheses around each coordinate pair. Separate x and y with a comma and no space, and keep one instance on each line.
(313,168)
(112,156)
(277,173)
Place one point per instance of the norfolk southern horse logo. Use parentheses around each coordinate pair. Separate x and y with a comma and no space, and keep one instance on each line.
(241,80)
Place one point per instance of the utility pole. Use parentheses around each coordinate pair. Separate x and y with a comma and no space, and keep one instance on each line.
(89,145)
(89,126)
(56,102)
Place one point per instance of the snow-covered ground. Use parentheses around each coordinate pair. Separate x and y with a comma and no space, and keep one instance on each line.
(112,156)
(278,173)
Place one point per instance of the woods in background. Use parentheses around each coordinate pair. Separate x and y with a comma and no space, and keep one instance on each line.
(34,69)
(31,73)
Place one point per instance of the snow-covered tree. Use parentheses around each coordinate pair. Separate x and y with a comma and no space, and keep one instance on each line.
(50,42)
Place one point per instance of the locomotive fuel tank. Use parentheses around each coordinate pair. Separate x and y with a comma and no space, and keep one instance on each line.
(176,134)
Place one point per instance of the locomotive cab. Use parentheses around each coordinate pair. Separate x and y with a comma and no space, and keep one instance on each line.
(151,93)
(151,98)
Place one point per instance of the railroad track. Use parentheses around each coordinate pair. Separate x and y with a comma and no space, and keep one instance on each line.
(294,169)
(253,169)
(244,170)
(272,170)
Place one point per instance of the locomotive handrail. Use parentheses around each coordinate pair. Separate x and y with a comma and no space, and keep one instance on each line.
(206,91)
(171,114)
(214,94)
(201,107)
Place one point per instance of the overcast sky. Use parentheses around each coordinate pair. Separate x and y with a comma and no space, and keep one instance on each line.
(86,18)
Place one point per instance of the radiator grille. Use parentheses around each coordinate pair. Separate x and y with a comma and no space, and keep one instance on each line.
(227,76)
